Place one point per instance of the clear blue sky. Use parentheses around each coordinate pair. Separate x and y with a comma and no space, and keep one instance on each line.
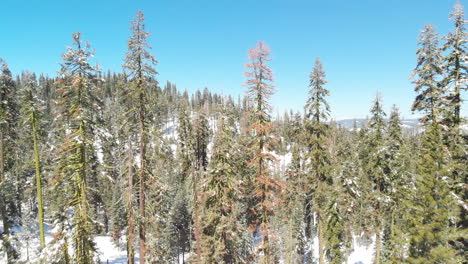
(365,45)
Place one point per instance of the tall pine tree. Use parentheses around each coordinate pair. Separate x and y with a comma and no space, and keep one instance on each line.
(139,67)
(260,89)
(318,166)
(32,113)
(76,107)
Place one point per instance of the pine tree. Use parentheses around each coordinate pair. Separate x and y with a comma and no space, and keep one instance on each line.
(432,206)
(201,137)
(318,168)
(8,114)
(76,107)
(139,66)
(347,181)
(158,228)
(428,72)
(112,145)
(185,133)
(376,169)
(32,113)
(455,81)
(394,244)
(454,64)
(294,245)
(260,90)
(221,226)
(334,232)
(185,182)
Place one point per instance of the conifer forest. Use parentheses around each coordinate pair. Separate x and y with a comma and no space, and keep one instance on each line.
(162,175)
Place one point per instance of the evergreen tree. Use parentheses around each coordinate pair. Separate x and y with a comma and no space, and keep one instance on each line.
(76,107)
(432,206)
(139,66)
(455,82)
(221,226)
(428,74)
(318,168)
(158,228)
(260,90)
(200,142)
(394,244)
(454,64)
(348,177)
(201,139)
(8,115)
(32,113)
(294,245)
(375,166)
(334,231)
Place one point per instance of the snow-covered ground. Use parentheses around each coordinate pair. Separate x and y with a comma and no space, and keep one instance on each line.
(106,249)
(110,254)
(361,254)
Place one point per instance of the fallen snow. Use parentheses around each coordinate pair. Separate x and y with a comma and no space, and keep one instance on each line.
(109,253)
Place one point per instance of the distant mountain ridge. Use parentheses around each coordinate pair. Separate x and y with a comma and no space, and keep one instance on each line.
(349,123)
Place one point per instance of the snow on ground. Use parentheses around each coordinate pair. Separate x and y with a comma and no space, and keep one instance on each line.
(170,129)
(281,162)
(109,253)
(361,254)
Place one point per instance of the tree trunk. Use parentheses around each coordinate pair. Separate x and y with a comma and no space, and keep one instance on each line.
(320,237)
(82,209)
(131,224)
(457,95)
(308,219)
(142,216)
(378,241)
(197,228)
(38,182)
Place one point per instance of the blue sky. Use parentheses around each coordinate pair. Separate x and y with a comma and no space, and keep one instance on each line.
(366,46)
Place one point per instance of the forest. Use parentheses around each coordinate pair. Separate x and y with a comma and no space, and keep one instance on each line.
(173,177)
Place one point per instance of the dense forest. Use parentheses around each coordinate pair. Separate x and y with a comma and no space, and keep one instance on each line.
(217,179)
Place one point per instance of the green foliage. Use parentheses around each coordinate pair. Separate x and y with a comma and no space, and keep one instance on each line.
(8,120)
(454,65)
(232,202)
(428,72)
(335,231)
(318,156)
(221,226)
(76,107)
(432,206)
(139,68)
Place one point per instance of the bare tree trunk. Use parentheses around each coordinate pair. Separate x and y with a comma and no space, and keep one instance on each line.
(38,182)
(197,229)
(142,210)
(378,241)
(131,223)
(320,237)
